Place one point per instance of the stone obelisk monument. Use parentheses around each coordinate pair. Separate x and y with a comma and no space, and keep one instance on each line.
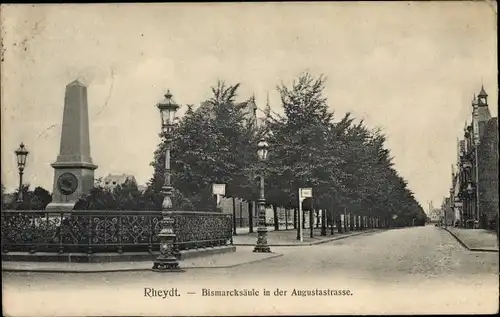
(73,169)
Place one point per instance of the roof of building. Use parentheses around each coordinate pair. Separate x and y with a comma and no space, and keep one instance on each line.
(118,179)
(249,105)
(483,92)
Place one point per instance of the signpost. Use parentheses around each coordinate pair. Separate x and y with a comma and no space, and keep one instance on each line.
(218,190)
(303,194)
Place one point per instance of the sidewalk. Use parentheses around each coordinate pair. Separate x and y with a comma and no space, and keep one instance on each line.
(243,255)
(289,238)
(244,230)
(475,239)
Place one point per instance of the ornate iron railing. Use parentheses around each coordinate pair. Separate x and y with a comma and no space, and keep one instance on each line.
(109,231)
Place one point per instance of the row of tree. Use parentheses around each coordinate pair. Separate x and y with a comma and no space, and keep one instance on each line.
(346,163)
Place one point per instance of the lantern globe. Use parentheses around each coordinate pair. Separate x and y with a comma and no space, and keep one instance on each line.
(167,109)
(262,149)
(21,154)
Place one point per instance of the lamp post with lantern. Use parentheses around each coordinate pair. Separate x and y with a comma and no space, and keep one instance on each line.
(166,260)
(21,154)
(262,246)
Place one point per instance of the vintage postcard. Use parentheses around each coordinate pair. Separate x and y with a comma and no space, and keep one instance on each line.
(248,159)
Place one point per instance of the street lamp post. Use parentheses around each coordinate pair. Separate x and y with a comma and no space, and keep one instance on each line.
(262,246)
(166,260)
(21,154)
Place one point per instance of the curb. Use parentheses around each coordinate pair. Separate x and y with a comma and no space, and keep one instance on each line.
(344,237)
(465,246)
(109,257)
(311,243)
(72,271)
(275,255)
(484,250)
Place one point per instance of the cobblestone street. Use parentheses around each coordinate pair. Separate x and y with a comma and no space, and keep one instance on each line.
(418,270)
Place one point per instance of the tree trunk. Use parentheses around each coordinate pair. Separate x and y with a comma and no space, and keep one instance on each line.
(345,219)
(294,218)
(323,222)
(250,217)
(234,216)
(241,213)
(311,220)
(286,219)
(332,222)
(276,220)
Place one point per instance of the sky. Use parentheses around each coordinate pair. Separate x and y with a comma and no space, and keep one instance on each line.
(409,68)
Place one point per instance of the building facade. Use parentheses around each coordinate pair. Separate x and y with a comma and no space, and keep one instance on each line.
(113,180)
(435,215)
(475,186)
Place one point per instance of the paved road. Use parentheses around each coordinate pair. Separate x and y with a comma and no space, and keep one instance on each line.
(411,270)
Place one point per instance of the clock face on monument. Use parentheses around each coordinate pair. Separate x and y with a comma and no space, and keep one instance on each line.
(67,183)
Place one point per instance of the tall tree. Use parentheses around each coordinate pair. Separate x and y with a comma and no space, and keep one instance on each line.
(304,144)
(212,144)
